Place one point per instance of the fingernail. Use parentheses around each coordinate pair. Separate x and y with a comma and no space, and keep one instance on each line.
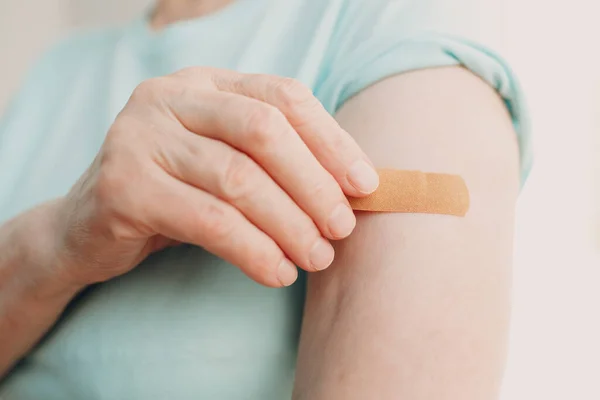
(321,255)
(363,177)
(287,272)
(341,222)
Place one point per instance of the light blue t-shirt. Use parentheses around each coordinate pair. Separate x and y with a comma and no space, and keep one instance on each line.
(185,324)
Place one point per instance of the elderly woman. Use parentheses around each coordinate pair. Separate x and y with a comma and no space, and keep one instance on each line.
(149,174)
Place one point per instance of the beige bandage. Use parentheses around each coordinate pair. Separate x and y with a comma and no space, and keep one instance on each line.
(416,192)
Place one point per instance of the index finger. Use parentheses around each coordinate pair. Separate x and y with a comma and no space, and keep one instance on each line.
(333,147)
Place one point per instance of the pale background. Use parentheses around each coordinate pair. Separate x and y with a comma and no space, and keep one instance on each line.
(555,344)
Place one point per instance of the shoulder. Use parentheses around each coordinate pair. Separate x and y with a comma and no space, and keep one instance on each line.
(384,38)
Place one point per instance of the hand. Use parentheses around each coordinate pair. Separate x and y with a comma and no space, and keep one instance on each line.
(249,167)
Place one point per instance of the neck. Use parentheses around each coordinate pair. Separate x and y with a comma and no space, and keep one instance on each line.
(169,11)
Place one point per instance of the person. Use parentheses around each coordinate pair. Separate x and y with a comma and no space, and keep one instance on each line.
(162,181)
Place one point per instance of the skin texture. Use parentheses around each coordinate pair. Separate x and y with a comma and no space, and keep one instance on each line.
(190,159)
(417,306)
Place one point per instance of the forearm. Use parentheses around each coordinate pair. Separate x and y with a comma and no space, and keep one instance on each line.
(31,296)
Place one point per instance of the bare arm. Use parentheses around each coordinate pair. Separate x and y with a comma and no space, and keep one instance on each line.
(31,297)
(189,159)
(417,306)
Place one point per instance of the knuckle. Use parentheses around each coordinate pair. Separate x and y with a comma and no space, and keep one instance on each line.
(126,126)
(307,235)
(336,143)
(201,76)
(322,190)
(190,72)
(263,123)
(153,90)
(237,177)
(293,94)
(215,222)
(147,89)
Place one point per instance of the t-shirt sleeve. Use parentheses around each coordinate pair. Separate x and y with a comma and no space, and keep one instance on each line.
(382,38)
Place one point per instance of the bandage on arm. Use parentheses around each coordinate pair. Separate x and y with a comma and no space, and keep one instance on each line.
(416,305)
(416,192)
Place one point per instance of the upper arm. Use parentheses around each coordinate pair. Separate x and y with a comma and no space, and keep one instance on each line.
(416,306)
